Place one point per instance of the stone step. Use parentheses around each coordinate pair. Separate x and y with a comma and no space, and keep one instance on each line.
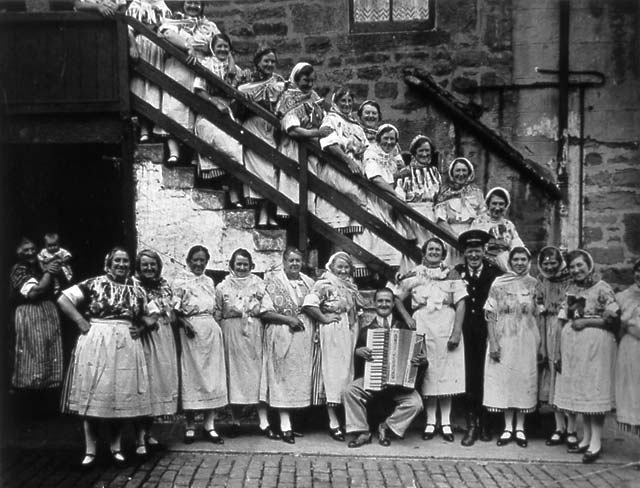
(153,152)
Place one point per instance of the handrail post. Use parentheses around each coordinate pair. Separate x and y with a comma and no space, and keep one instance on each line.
(303,189)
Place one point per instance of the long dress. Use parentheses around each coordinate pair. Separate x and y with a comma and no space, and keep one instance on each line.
(219,139)
(109,372)
(435,292)
(37,355)
(195,32)
(337,340)
(504,237)
(550,292)
(297,109)
(512,382)
(204,378)
(350,137)
(239,303)
(588,356)
(266,92)
(287,355)
(378,164)
(627,385)
(160,350)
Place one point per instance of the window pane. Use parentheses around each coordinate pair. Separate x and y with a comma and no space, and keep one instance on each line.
(372,10)
(410,9)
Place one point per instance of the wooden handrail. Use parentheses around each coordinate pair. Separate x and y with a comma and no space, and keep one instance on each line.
(401,207)
(289,166)
(263,188)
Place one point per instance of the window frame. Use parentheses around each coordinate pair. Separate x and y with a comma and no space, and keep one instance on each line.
(392,25)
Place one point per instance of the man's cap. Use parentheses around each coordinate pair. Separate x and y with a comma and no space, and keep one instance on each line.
(473,237)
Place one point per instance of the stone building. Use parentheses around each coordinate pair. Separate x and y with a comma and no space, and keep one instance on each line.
(534,93)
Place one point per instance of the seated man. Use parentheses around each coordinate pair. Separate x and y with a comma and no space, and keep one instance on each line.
(407,403)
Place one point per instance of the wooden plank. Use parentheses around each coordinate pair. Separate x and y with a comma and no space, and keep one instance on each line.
(241,173)
(285,164)
(303,191)
(122,71)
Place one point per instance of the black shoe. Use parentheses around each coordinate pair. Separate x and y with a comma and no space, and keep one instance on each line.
(153,445)
(212,436)
(521,438)
(470,437)
(505,438)
(189,436)
(591,457)
(233,431)
(383,435)
(449,435)
(117,458)
(578,449)
(89,461)
(269,433)
(572,444)
(558,437)
(141,451)
(428,435)
(288,437)
(336,434)
(360,440)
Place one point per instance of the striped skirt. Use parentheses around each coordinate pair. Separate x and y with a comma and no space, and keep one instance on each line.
(38,346)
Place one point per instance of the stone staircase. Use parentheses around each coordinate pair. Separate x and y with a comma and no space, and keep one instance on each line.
(174,212)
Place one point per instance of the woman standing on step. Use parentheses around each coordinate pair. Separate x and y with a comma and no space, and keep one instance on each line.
(370,116)
(204,378)
(587,355)
(437,298)
(264,88)
(190,32)
(301,113)
(243,306)
(334,304)
(286,377)
(511,368)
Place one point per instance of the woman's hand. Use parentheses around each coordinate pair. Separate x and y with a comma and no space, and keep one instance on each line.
(134,54)
(354,166)
(420,359)
(331,317)
(189,331)
(578,324)
(324,131)
(105,10)
(295,324)
(411,323)
(454,341)
(494,352)
(53,267)
(135,331)
(191,57)
(83,325)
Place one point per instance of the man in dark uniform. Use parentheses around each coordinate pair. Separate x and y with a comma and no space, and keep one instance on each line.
(479,274)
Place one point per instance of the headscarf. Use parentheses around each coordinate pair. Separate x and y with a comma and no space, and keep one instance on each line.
(511,276)
(417,142)
(295,70)
(384,128)
(499,191)
(152,12)
(293,97)
(467,163)
(591,266)
(348,283)
(373,103)
(335,109)
(108,260)
(155,256)
(552,251)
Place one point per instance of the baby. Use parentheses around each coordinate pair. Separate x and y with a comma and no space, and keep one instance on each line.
(52,251)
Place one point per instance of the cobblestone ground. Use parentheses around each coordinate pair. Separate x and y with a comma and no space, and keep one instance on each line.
(38,468)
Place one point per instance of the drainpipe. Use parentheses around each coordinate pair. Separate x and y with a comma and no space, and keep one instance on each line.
(563,93)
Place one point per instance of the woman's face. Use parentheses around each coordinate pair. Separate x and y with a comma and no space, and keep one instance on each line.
(370,116)
(149,268)
(198,263)
(120,265)
(27,251)
(497,206)
(242,266)
(423,153)
(192,9)
(305,83)
(519,262)
(550,265)
(292,264)
(341,268)
(579,269)
(345,104)
(221,49)
(434,253)
(460,173)
(388,141)
(267,63)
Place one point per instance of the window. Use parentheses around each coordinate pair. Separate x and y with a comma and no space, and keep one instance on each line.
(391,15)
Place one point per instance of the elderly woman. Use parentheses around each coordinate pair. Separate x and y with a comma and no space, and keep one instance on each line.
(204,382)
(286,378)
(382,166)
(437,298)
(504,235)
(264,88)
(243,306)
(151,13)
(109,377)
(334,303)
(586,358)
(301,113)
(550,291)
(628,362)
(346,141)
(159,347)
(191,33)
(459,202)
(37,355)
(223,66)
(511,369)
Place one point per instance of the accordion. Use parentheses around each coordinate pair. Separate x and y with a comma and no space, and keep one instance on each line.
(393,351)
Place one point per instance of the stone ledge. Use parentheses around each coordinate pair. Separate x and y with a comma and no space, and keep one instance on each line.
(179,177)
(239,219)
(149,152)
(269,240)
(209,199)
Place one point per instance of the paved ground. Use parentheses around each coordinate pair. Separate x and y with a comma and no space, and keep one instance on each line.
(46,454)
